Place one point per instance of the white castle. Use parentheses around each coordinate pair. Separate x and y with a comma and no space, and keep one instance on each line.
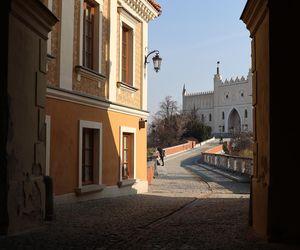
(226,109)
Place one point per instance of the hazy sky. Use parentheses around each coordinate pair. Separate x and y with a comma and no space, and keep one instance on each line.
(192,35)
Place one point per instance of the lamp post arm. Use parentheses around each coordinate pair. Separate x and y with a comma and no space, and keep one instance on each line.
(146,57)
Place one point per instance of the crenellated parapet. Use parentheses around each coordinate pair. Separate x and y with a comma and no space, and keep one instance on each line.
(199,93)
(232,81)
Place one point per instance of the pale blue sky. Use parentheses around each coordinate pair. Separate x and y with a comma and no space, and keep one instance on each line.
(192,35)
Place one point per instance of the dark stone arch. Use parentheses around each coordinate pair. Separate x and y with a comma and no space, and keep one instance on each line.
(234,122)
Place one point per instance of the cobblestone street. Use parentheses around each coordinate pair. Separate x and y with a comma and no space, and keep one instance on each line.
(182,210)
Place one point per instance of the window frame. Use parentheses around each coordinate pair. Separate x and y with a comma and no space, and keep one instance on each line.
(132,132)
(97,178)
(90,147)
(88,4)
(126,20)
(127,55)
(98,37)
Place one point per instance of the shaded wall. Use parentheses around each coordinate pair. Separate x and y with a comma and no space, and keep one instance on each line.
(23,150)
(274,210)
(4,13)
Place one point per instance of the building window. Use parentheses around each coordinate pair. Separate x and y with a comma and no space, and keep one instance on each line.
(87,156)
(127,151)
(202,118)
(127,156)
(88,33)
(223,128)
(223,115)
(246,113)
(127,54)
(90,156)
(210,117)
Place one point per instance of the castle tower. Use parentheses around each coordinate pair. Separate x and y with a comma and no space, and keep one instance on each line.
(183,90)
(217,76)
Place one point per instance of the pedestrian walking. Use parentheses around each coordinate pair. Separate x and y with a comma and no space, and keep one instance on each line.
(161,155)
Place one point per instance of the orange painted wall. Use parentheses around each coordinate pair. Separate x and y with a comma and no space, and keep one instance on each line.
(116,120)
(65,118)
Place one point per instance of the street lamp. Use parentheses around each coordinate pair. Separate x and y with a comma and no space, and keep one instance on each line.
(156,60)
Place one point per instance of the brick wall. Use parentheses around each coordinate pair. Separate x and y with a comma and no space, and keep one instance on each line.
(215,150)
(179,148)
(53,65)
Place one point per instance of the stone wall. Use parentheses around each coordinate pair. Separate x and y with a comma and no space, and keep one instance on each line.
(25,142)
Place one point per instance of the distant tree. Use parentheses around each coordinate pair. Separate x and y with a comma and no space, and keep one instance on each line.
(167,126)
(194,127)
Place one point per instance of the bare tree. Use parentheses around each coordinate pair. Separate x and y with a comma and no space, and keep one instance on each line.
(168,108)
(167,126)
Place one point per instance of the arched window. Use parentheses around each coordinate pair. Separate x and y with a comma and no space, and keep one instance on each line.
(246,113)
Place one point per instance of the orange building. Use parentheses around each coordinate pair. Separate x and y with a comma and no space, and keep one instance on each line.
(96,98)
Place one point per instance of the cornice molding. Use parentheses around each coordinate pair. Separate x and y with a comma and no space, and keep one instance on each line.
(35,15)
(142,8)
(253,14)
(83,99)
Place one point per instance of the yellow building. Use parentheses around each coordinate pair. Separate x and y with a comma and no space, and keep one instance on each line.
(96,98)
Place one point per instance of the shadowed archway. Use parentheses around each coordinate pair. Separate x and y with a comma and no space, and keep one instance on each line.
(234,122)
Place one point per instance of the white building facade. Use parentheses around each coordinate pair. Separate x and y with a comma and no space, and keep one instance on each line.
(226,109)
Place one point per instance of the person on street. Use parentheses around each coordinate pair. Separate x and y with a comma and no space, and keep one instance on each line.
(161,155)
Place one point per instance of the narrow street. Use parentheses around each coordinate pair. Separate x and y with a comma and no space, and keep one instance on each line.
(183,176)
(187,207)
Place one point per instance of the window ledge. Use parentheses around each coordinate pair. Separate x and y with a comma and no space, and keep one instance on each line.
(88,73)
(125,86)
(89,189)
(126,183)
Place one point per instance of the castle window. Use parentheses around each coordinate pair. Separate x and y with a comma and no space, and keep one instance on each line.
(210,117)
(202,118)
(246,113)
(223,115)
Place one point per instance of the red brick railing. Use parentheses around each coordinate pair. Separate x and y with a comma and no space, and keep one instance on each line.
(215,150)
(179,148)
